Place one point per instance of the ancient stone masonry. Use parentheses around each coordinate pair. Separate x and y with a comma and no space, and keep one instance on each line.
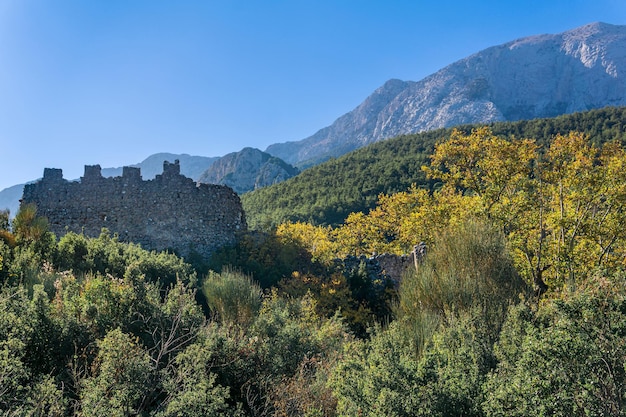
(169,212)
(378,267)
(385,266)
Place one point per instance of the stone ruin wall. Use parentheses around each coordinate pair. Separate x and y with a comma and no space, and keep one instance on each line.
(380,267)
(168,212)
(386,265)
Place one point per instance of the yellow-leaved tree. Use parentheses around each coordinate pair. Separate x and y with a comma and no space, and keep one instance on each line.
(315,239)
(562,209)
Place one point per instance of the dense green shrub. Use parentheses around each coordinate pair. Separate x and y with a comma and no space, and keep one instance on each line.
(192,389)
(121,371)
(385,376)
(566,358)
(107,255)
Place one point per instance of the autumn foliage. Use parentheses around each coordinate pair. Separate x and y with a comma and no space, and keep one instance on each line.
(517,308)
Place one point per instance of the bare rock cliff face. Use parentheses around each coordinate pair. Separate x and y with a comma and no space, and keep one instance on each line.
(538,76)
(247,170)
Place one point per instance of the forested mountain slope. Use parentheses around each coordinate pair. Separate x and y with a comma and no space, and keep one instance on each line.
(327,193)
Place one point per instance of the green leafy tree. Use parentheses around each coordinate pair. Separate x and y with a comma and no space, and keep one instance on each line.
(5,222)
(288,335)
(163,324)
(26,342)
(107,255)
(5,260)
(34,244)
(172,324)
(28,226)
(259,362)
(44,398)
(6,237)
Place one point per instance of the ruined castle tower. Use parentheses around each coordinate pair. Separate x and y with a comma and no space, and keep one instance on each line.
(169,212)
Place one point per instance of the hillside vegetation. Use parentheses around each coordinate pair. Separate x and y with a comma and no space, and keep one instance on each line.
(516,308)
(327,193)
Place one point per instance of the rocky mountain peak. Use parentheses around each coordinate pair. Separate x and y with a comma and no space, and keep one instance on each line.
(536,76)
(247,170)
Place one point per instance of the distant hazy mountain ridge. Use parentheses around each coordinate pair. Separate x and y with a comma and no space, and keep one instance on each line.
(190,165)
(537,76)
(247,170)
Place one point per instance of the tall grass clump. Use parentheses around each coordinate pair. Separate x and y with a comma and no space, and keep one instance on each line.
(467,271)
(233,296)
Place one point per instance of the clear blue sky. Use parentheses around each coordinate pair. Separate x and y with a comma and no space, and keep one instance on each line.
(112,82)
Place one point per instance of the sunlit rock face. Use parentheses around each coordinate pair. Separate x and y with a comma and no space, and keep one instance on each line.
(537,76)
